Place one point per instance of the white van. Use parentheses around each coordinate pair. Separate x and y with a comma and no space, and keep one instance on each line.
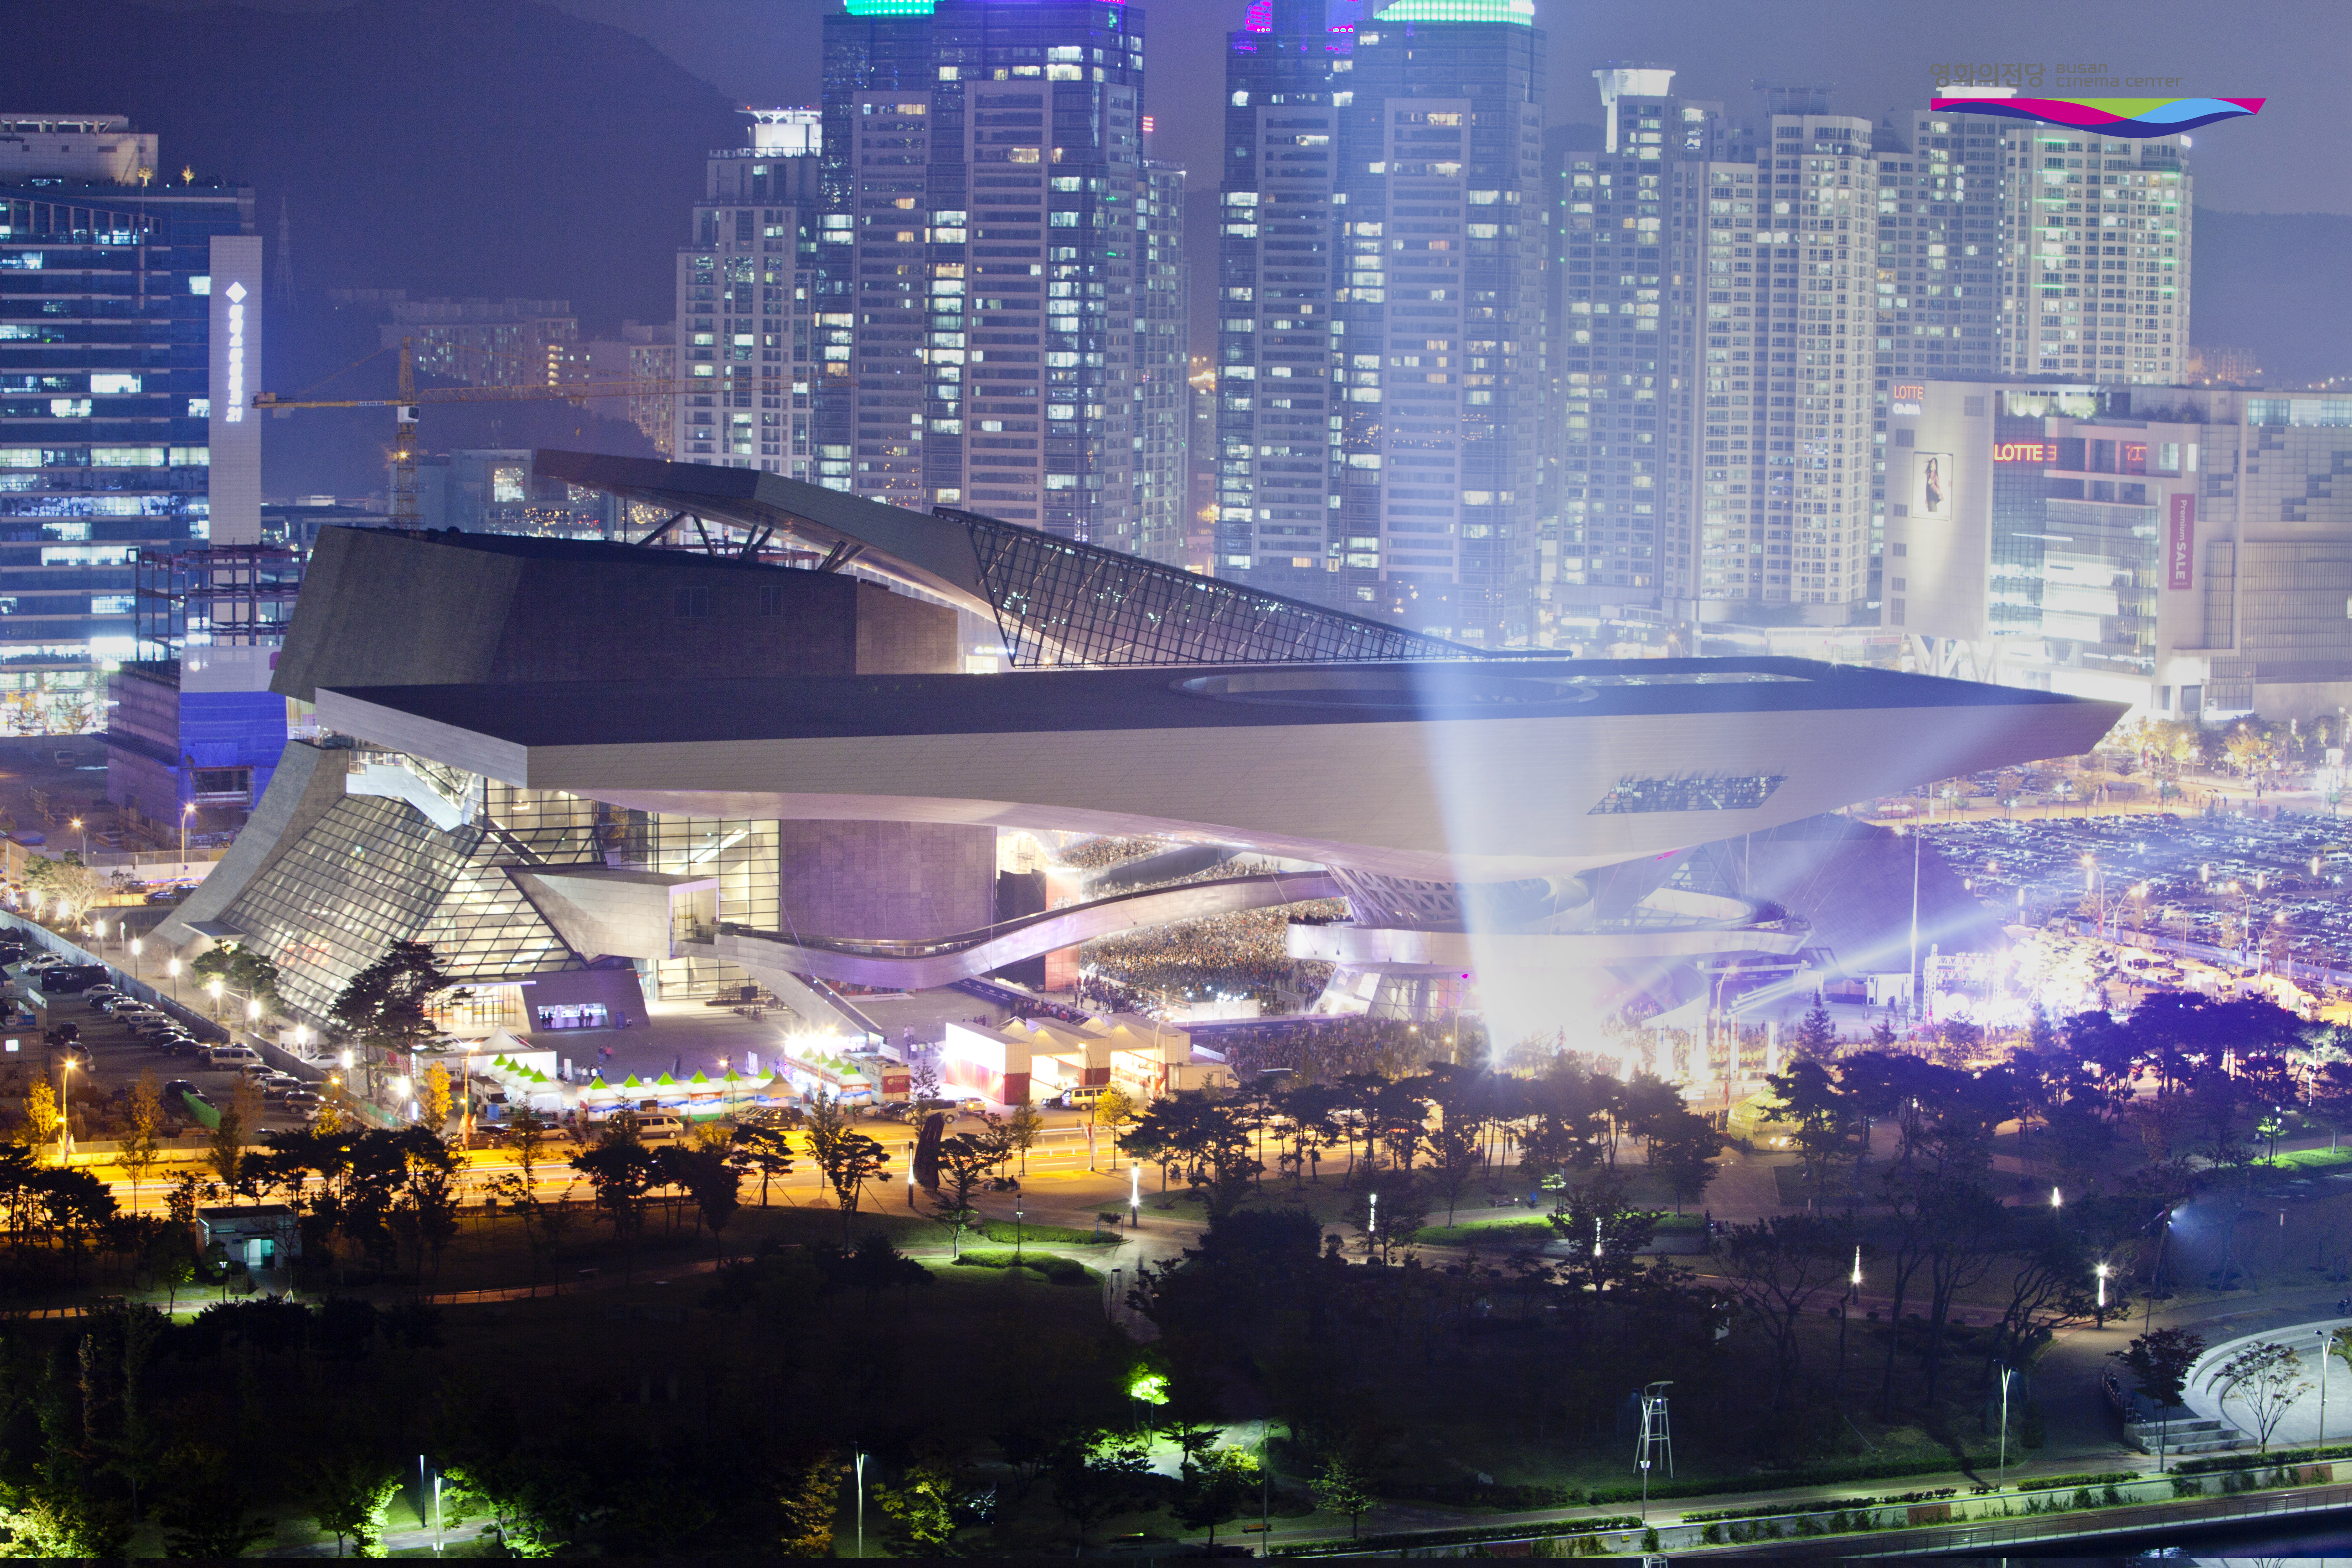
(230,1056)
(659,1127)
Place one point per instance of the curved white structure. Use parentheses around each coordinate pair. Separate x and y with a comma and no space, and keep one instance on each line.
(1438,771)
(927,964)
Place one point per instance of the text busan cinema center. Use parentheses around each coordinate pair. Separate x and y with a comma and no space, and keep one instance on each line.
(604,767)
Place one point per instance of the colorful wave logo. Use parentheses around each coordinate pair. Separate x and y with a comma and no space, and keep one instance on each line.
(2133,116)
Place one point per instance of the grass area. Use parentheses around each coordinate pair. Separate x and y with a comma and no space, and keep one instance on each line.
(2311,1159)
(1486,1231)
(1043,1265)
(1004,1230)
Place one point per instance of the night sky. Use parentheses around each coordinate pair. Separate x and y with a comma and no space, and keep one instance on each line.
(2294,52)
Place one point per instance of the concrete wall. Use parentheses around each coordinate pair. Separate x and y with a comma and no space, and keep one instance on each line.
(886,878)
(380,608)
(607,912)
(900,634)
(306,785)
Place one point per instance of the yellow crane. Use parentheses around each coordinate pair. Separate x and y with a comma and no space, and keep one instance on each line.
(409,403)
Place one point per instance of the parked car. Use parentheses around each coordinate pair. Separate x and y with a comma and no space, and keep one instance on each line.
(229,1055)
(302,1099)
(178,1086)
(62,1033)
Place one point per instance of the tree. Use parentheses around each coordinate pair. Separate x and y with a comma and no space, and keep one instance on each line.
(1809,1098)
(1216,1487)
(204,1511)
(1022,1129)
(828,1123)
(856,1160)
(437,1096)
(42,1118)
(764,1149)
(965,1163)
(388,1005)
(142,1148)
(1817,1037)
(2266,1378)
(621,1174)
(1389,1212)
(921,1508)
(1604,1236)
(1456,1150)
(1778,1266)
(1095,1479)
(1113,1111)
(2159,1362)
(63,881)
(1343,1488)
(240,969)
(810,1496)
(1683,1151)
(710,1180)
(226,1149)
(349,1492)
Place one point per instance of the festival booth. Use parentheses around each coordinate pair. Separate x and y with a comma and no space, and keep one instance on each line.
(1047,1056)
(695,1099)
(814,1064)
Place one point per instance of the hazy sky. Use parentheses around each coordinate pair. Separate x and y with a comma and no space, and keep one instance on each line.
(2295,53)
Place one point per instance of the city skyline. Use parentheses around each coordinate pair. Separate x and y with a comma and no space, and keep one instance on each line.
(1877,62)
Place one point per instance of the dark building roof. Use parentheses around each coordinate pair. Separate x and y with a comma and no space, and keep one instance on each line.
(632,712)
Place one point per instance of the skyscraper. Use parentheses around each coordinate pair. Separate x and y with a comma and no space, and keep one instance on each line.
(1783,514)
(129,351)
(1277,415)
(1162,396)
(1440,191)
(1630,217)
(746,293)
(981,258)
(2099,229)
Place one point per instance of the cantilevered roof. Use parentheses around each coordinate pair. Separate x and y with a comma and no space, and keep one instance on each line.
(1057,601)
(1449,771)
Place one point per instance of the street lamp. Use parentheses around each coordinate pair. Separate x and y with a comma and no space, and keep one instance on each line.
(172,969)
(85,840)
(213,986)
(65,1112)
(2001,1475)
(1135,1197)
(1375,1226)
(137,947)
(2103,1289)
(185,812)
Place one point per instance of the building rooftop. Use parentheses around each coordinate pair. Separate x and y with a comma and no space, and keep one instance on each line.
(636,714)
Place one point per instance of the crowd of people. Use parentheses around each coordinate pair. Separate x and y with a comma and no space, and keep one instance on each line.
(1327,1049)
(1217,956)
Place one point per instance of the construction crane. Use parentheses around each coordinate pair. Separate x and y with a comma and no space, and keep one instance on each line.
(409,403)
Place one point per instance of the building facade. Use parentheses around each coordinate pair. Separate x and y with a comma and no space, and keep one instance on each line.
(746,288)
(1441,327)
(1278,457)
(1627,217)
(1162,395)
(980,259)
(2180,548)
(130,350)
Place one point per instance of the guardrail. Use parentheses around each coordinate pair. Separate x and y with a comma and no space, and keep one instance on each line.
(2141,1521)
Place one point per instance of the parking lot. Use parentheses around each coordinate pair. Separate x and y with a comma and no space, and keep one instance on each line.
(98,1042)
(2272,887)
